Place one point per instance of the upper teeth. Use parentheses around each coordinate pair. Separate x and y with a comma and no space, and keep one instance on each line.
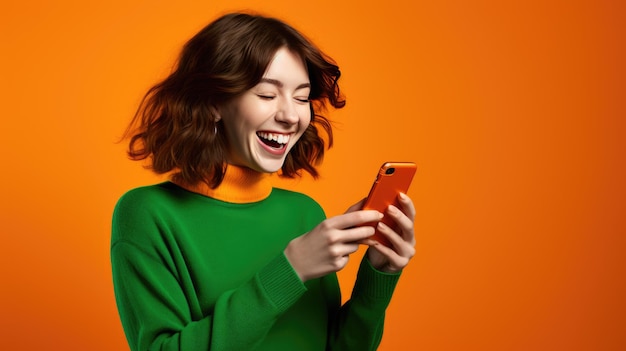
(279,138)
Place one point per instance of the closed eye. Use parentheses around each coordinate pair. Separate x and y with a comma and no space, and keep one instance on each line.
(303,100)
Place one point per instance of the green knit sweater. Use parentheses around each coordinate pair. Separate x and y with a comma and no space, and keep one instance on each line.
(193,272)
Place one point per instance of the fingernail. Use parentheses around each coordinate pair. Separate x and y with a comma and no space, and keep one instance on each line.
(392,209)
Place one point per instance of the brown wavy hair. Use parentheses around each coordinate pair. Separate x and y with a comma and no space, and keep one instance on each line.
(175,125)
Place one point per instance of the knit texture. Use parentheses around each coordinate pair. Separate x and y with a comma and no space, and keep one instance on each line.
(192,272)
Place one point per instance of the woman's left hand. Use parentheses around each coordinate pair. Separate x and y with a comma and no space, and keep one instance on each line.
(393,259)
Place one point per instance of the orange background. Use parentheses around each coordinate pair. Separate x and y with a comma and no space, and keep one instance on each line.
(514,112)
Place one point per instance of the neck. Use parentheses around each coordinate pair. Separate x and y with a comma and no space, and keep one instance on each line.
(240,185)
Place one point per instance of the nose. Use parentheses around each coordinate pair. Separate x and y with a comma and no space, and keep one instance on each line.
(288,112)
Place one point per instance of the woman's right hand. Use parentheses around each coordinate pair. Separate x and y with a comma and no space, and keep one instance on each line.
(326,248)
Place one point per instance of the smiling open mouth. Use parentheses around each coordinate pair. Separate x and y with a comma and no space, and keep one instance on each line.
(277,141)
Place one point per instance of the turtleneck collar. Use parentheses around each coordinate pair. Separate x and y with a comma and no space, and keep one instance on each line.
(240,185)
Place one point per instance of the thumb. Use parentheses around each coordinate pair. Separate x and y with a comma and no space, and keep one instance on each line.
(357,206)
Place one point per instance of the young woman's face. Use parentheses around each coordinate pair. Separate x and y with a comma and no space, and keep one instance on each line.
(264,123)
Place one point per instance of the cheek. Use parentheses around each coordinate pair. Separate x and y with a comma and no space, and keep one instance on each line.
(304,125)
(305,120)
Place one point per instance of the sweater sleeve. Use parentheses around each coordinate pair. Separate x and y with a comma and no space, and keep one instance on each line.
(156,315)
(358,324)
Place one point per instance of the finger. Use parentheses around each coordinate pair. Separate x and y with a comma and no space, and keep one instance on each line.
(403,247)
(384,250)
(368,242)
(404,223)
(400,252)
(341,253)
(407,206)
(351,219)
(350,248)
(395,262)
(357,206)
(357,234)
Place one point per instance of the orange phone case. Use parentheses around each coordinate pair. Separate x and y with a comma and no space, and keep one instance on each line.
(393,178)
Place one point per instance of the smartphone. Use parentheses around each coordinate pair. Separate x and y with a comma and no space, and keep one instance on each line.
(392,178)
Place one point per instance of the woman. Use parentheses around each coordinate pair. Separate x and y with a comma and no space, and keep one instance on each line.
(217,259)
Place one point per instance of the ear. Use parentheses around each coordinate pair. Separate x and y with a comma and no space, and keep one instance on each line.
(215,111)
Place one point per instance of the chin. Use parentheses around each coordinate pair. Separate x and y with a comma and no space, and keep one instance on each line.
(271,168)
(265,163)
(266,166)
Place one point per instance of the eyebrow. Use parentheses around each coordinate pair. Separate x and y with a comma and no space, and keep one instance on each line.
(280,84)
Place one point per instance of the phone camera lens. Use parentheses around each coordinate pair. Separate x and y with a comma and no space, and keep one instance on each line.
(390,170)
